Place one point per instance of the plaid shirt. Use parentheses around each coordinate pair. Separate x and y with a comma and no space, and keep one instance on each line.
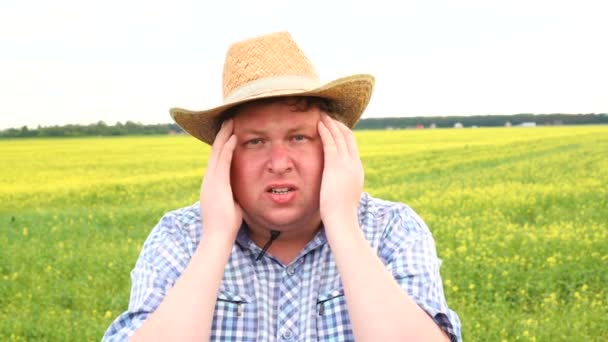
(266,300)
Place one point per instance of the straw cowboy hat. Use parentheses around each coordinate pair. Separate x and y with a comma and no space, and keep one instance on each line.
(269,66)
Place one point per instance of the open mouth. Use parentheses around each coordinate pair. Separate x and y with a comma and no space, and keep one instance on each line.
(280,191)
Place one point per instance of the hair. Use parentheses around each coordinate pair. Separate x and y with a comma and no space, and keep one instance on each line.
(297,104)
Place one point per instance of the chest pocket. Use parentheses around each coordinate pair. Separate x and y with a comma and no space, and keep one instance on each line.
(333,323)
(233,312)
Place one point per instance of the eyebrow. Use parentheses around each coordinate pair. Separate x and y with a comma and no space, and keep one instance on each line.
(298,128)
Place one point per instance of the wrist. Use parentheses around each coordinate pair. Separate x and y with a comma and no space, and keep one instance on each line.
(341,225)
(215,245)
(220,235)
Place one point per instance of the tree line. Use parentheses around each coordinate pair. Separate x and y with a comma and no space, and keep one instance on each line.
(134,128)
(98,129)
(483,121)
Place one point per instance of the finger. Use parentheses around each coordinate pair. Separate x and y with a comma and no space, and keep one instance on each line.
(349,138)
(337,135)
(224,161)
(329,146)
(220,140)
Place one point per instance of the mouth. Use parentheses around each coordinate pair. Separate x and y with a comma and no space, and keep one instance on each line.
(281,193)
(280,190)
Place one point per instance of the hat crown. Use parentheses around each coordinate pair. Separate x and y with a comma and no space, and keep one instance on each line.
(272,56)
(273,65)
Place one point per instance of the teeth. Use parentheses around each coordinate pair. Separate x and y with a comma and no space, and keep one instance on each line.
(279,190)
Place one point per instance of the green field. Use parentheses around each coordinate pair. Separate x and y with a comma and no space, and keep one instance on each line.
(520,217)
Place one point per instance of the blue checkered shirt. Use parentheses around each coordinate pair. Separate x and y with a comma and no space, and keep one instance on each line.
(266,300)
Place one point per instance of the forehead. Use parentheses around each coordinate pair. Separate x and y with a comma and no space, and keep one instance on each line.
(275,115)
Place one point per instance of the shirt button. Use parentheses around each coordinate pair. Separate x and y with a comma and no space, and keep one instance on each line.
(290,270)
(287,334)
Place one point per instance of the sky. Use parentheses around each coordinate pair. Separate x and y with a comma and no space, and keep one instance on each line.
(79,62)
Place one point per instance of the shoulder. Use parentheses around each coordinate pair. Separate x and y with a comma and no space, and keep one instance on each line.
(179,227)
(185,216)
(382,219)
(381,212)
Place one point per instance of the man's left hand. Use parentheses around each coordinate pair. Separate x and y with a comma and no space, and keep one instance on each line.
(343,174)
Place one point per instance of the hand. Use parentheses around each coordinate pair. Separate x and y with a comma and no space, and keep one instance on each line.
(343,174)
(219,210)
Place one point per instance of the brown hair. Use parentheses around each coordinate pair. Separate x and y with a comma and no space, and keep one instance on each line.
(298,104)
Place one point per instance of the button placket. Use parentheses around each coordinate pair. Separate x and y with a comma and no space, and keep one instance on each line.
(288,305)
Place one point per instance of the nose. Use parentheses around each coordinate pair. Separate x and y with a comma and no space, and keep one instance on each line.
(279,161)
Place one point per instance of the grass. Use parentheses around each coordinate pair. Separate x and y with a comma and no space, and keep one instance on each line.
(520,218)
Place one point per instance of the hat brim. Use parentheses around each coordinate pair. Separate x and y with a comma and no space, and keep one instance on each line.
(350,96)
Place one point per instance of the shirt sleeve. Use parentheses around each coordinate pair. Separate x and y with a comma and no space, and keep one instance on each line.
(408,249)
(163,257)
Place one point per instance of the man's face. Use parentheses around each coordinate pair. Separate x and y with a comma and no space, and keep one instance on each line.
(277,166)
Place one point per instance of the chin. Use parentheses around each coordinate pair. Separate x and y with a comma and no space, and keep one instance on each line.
(281,223)
(284,219)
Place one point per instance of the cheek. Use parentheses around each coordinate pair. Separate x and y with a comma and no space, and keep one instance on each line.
(243,168)
(317,164)
(314,164)
(237,173)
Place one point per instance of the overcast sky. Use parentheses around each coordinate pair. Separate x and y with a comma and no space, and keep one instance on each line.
(68,61)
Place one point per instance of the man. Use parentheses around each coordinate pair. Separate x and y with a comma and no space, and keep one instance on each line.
(284,245)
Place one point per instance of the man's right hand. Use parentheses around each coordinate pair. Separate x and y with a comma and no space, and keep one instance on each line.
(219,210)
(186,312)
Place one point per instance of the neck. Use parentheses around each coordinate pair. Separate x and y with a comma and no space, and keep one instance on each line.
(287,245)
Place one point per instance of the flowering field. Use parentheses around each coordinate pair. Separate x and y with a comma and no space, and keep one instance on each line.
(519,215)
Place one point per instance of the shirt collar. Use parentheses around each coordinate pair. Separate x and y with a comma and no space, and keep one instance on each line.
(243,240)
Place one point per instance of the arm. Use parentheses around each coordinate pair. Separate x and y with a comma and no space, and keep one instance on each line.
(186,312)
(379,309)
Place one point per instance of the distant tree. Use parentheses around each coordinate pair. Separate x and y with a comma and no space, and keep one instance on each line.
(132,128)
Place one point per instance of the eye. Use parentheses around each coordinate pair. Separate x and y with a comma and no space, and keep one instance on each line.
(298,137)
(254,142)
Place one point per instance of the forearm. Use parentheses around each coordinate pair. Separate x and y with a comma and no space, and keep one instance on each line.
(186,312)
(379,309)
